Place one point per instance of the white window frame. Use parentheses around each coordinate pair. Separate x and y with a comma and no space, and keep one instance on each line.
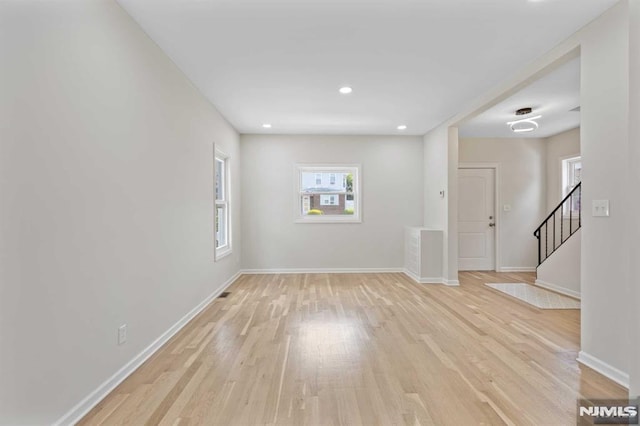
(225,202)
(354,169)
(565,165)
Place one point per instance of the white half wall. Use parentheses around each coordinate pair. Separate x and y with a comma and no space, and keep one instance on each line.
(392,191)
(559,147)
(522,186)
(106,183)
(561,270)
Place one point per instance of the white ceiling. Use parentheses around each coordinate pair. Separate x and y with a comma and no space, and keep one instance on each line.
(552,96)
(413,62)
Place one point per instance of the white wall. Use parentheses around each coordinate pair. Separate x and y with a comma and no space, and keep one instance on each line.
(440,212)
(106,191)
(634,160)
(392,199)
(562,145)
(436,178)
(561,272)
(522,185)
(604,136)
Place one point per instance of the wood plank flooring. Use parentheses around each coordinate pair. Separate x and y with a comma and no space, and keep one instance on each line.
(370,349)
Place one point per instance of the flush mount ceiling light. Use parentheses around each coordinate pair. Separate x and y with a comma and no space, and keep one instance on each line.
(345,90)
(266,125)
(523,125)
(402,127)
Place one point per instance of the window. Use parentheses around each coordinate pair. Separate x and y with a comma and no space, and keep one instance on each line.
(328,200)
(327,193)
(571,176)
(221,211)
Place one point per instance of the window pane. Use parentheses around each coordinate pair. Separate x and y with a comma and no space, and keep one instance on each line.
(577,173)
(323,182)
(327,204)
(221,226)
(219,179)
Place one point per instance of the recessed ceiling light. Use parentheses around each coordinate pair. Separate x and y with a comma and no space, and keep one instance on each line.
(266,125)
(346,90)
(402,127)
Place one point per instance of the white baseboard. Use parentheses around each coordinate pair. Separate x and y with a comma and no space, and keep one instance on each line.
(321,271)
(428,280)
(431,280)
(603,368)
(516,269)
(558,289)
(83,407)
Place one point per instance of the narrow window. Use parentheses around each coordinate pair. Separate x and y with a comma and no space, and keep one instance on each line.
(571,176)
(221,214)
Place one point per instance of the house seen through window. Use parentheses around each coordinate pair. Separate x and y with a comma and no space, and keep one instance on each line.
(328,194)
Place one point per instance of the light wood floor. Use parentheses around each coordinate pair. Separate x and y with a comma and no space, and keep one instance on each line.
(352,349)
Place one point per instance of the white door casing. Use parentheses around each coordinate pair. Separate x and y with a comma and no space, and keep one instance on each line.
(476,219)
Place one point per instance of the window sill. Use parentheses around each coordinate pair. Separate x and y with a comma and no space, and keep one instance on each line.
(327,220)
(222,252)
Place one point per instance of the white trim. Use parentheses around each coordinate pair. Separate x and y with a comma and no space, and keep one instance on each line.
(517,269)
(497,201)
(620,377)
(222,252)
(558,289)
(428,280)
(431,280)
(321,271)
(83,407)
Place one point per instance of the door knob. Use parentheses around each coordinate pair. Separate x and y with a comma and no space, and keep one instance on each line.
(492,224)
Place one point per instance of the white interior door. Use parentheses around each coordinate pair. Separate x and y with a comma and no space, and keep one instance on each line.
(476,220)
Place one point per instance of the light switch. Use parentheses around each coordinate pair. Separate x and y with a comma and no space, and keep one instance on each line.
(600,208)
(506,207)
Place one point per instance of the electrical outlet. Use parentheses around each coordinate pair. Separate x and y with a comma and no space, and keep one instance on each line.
(122,334)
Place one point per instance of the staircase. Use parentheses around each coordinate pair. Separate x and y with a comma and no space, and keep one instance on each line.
(560,225)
